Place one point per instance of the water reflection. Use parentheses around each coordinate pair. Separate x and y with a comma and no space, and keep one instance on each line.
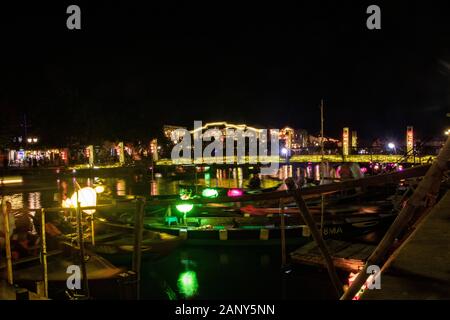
(16,200)
(285,172)
(34,200)
(180,274)
(121,187)
(53,190)
(207,179)
(153,188)
(188,283)
(317,172)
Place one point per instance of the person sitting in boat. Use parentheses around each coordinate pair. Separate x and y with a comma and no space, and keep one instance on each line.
(55,228)
(24,242)
(345,172)
(255,182)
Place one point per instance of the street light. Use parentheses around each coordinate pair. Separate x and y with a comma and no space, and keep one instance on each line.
(391,146)
(447,132)
(32,140)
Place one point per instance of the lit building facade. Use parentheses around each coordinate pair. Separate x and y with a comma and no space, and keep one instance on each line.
(294,139)
(169,130)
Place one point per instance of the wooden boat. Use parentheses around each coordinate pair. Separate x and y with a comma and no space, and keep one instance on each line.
(223,191)
(97,267)
(100,272)
(267,230)
(367,208)
(116,243)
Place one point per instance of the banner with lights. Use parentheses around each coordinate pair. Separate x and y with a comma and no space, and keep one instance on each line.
(409,140)
(345,141)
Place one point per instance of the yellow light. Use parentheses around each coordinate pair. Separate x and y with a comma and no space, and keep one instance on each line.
(226,124)
(99,189)
(345,141)
(10,180)
(67,203)
(87,198)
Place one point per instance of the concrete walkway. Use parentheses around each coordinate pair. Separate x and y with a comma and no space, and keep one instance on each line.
(422,268)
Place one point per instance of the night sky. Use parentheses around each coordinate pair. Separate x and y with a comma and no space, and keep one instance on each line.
(132,68)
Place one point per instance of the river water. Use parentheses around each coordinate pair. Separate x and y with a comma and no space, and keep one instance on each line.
(193,272)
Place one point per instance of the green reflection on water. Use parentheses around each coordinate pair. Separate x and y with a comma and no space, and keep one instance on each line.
(188,283)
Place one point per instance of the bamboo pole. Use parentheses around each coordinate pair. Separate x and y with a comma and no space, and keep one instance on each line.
(428,184)
(322,197)
(137,253)
(92,230)
(283,236)
(406,240)
(44,253)
(7,242)
(316,234)
(81,247)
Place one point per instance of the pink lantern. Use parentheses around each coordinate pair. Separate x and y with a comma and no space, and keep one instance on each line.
(235,192)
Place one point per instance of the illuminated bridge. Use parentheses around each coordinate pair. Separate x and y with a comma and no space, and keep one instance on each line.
(313,158)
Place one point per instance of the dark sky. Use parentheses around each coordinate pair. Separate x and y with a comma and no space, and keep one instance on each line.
(133,68)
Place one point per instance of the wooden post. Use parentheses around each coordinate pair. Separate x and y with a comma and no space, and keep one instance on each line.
(322,165)
(92,230)
(7,242)
(322,211)
(81,247)
(316,234)
(44,253)
(137,253)
(283,236)
(424,189)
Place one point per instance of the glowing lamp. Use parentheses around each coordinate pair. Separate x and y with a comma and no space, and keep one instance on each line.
(185,207)
(87,197)
(210,193)
(235,192)
(99,189)
(284,151)
(391,145)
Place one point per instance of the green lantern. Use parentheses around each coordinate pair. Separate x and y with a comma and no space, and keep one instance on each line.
(210,193)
